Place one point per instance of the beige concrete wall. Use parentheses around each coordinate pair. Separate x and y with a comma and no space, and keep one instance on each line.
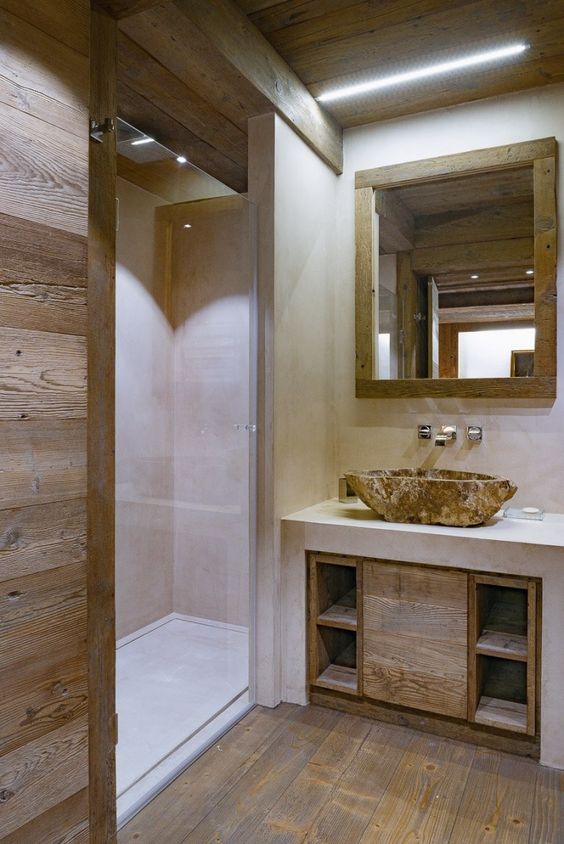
(295,194)
(212,272)
(522,439)
(144,432)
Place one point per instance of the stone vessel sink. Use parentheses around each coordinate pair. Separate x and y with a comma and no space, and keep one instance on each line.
(431,496)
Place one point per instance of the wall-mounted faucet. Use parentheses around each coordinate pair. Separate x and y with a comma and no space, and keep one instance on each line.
(448,434)
(445,435)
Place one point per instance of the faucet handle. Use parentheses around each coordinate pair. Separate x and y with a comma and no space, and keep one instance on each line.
(449,431)
(424,432)
(474,433)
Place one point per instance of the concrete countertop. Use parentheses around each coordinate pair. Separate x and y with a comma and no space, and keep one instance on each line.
(548,533)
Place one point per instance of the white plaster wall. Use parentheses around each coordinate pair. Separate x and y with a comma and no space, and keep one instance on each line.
(144,403)
(295,195)
(521,438)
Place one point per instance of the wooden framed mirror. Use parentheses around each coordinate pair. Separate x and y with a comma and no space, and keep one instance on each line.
(456,275)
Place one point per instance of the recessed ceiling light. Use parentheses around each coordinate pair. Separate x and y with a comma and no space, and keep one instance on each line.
(530,272)
(181,159)
(423,72)
(140,141)
(187,225)
(474,276)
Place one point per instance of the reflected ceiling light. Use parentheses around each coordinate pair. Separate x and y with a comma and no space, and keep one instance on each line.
(140,141)
(474,276)
(530,272)
(423,72)
(187,225)
(181,159)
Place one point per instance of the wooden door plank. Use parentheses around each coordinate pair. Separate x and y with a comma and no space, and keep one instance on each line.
(43,308)
(250,800)
(37,254)
(358,792)
(192,796)
(43,375)
(42,461)
(437,587)
(41,697)
(415,623)
(43,773)
(498,799)
(422,798)
(63,21)
(43,537)
(54,81)
(70,815)
(57,193)
(292,816)
(44,615)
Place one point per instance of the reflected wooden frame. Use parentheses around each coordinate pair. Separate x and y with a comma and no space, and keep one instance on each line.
(541,155)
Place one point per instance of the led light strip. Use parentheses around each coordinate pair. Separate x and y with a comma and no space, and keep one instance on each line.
(422,73)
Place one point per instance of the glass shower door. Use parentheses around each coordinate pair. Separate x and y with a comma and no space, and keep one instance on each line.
(185,376)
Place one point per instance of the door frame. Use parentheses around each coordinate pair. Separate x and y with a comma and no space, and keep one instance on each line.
(101,432)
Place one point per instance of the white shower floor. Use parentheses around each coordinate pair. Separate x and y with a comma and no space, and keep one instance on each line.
(172,679)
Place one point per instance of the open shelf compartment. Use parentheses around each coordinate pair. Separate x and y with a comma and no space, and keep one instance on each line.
(337,659)
(336,596)
(502,698)
(502,621)
(334,629)
(503,641)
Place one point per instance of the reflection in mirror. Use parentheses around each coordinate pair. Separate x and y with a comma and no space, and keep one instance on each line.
(455,277)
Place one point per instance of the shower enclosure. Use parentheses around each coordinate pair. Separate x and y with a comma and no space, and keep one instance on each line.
(185,493)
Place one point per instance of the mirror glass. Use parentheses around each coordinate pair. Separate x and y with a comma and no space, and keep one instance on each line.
(454,293)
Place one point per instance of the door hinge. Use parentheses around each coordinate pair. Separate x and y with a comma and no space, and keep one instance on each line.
(98,130)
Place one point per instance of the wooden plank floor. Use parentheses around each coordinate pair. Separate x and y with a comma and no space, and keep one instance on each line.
(308,774)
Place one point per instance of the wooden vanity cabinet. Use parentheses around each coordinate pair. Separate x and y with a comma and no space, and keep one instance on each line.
(415,650)
(441,641)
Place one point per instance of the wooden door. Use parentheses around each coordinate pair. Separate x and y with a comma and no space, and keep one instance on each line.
(43,396)
(51,592)
(415,622)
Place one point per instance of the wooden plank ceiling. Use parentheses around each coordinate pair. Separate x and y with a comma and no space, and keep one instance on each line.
(330,43)
(191,73)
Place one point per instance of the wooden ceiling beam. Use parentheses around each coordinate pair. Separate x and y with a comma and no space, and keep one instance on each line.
(473,257)
(125,8)
(253,58)
(494,313)
(396,223)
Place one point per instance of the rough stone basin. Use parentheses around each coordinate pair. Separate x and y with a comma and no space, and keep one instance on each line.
(431,496)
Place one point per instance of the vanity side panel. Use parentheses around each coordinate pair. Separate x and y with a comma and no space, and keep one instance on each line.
(415,622)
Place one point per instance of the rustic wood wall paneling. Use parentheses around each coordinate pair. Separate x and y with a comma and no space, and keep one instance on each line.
(101,436)
(44,84)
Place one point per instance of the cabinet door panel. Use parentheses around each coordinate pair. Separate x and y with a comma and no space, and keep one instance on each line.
(415,637)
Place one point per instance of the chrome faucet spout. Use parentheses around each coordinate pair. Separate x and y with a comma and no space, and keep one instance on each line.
(445,435)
